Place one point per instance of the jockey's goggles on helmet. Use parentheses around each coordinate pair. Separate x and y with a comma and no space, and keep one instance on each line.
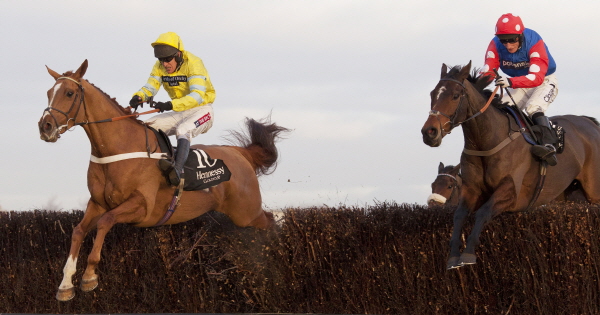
(509,39)
(167,59)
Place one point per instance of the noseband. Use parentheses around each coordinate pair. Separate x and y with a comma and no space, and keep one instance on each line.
(49,109)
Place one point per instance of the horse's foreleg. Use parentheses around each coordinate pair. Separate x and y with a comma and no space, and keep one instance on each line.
(66,290)
(482,216)
(459,219)
(128,212)
(501,200)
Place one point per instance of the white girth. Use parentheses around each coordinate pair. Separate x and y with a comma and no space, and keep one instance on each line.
(126,156)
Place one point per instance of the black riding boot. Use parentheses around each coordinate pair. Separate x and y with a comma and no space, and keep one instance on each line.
(545,150)
(175,169)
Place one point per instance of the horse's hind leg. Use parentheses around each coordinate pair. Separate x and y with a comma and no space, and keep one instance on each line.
(66,290)
(264,221)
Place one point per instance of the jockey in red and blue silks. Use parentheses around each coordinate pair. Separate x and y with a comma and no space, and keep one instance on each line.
(524,57)
(528,66)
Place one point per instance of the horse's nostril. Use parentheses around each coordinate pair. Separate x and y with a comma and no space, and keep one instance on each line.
(47,127)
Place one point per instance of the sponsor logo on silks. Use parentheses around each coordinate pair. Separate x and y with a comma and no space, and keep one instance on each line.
(202,120)
(516,66)
(174,80)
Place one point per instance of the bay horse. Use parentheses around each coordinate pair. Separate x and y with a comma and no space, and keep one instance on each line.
(133,190)
(507,178)
(445,189)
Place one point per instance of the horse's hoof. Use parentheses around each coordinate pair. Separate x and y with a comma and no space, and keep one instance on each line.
(452,263)
(467,259)
(89,285)
(64,295)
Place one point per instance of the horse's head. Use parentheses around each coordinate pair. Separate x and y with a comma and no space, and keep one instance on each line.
(447,98)
(65,99)
(445,188)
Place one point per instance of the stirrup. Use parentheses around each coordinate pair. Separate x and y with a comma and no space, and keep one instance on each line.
(174,177)
(545,153)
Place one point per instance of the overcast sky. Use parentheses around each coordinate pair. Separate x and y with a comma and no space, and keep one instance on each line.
(351,78)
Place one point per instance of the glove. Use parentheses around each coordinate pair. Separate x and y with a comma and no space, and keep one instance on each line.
(163,106)
(503,82)
(135,102)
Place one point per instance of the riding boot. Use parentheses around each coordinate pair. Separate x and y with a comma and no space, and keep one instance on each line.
(175,169)
(545,150)
(183,149)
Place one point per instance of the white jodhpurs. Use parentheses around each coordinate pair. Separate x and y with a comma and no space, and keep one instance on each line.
(187,124)
(537,99)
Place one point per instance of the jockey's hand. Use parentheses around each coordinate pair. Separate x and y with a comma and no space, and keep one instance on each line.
(503,82)
(163,106)
(135,102)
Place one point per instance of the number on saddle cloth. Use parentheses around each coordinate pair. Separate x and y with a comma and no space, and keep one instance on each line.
(201,171)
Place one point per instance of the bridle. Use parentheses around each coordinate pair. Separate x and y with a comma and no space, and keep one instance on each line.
(82,101)
(49,109)
(451,120)
(457,181)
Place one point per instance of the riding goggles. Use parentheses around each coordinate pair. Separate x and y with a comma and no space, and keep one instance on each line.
(166,59)
(509,40)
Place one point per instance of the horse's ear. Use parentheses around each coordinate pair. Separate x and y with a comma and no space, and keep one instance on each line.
(441,167)
(81,71)
(464,72)
(53,73)
(444,70)
(456,169)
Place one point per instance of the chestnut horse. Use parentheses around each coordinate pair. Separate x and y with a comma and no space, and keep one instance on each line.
(133,190)
(506,179)
(445,189)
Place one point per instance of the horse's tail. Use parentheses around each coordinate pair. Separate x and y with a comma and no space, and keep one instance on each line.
(258,145)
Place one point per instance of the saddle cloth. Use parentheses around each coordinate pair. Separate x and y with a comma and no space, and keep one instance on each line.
(200,170)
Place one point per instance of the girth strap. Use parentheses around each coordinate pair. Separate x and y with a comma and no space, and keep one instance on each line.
(499,147)
(126,156)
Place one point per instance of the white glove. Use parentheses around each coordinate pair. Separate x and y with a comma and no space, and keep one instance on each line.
(503,82)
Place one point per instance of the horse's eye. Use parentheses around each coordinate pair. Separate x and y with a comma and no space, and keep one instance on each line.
(456,96)
(69,94)
(449,186)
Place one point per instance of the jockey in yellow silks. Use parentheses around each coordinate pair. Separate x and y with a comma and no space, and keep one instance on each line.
(190,111)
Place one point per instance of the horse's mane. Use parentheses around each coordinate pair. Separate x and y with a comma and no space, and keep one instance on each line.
(124,110)
(479,82)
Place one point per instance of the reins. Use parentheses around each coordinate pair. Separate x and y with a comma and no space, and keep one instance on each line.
(119,157)
(451,119)
(501,145)
(82,101)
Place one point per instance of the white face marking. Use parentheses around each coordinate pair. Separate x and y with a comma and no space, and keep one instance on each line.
(56,87)
(69,271)
(440,91)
